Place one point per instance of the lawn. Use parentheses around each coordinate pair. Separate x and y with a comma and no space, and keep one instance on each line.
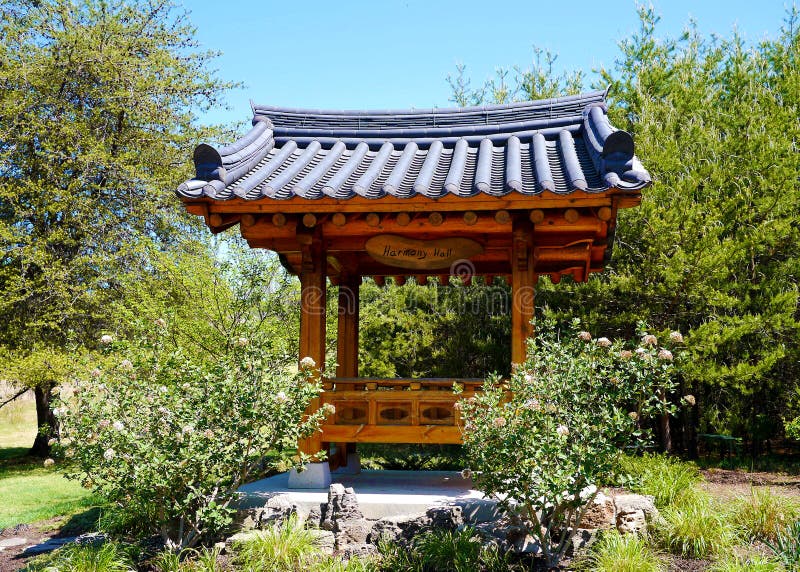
(31,492)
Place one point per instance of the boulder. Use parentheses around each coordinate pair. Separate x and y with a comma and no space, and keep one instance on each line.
(359,551)
(398,528)
(447,517)
(325,540)
(634,513)
(600,514)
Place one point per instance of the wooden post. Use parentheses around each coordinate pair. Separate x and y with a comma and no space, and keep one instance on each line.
(347,335)
(312,316)
(347,347)
(523,281)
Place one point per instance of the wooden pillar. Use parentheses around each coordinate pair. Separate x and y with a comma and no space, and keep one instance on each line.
(523,282)
(312,316)
(347,335)
(347,347)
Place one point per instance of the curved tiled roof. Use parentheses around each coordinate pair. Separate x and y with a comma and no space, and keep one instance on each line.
(559,145)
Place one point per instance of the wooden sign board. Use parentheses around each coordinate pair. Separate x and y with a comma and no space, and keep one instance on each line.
(413,254)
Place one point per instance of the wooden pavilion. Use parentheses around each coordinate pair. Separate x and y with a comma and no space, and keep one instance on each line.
(514,191)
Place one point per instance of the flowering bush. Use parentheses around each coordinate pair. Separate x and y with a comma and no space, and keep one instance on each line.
(542,440)
(169,441)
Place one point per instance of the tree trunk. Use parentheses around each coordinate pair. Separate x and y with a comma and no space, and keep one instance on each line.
(46,422)
(666,434)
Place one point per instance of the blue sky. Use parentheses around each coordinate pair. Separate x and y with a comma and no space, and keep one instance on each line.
(397,54)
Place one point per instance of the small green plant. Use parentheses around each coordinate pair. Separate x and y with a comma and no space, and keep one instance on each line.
(749,564)
(762,515)
(107,557)
(786,546)
(285,547)
(616,552)
(447,551)
(695,529)
(668,479)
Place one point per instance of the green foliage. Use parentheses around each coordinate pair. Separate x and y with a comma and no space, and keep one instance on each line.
(191,560)
(288,547)
(449,551)
(763,515)
(106,557)
(444,551)
(714,248)
(786,546)
(418,331)
(548,436)
(696,529)
(668,479)
(623,553)
(170,441)
(736,563)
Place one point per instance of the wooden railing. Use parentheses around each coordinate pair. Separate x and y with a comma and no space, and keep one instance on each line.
(390,410)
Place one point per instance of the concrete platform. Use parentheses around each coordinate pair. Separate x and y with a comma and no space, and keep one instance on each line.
(382,493)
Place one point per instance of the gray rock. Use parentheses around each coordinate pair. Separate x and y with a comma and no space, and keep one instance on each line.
(446,517)
(582,538)
(13,541)
(359,551)
(631,503)
(600,513)
(278,509)
(351,531)
(342,505)
(633,522)
(324,540)
(526,545)
(396,528)
(48,546)
(315,516)
(243,536)
(634,513)
(248,519)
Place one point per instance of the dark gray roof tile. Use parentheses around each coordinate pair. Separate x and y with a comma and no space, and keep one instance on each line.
(558,145)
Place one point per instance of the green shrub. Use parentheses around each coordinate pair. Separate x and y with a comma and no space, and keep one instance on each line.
(447,551)
(624,553)
(750,564)
(286,547)
(168,441)
(786,546)
(549,435)
(762,515)
(444,551)
(668,479)
(107,557)
(695,529)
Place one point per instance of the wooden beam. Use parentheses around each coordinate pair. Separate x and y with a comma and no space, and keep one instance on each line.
(511,201)
(523,282)
(313,273)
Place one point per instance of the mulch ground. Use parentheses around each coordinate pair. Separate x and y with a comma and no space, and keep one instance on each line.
(11,558)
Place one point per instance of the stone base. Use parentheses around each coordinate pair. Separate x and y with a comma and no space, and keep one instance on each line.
(313,476)
(353,466)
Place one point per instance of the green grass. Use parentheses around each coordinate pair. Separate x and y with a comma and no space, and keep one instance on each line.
(108,557)
(668,479)
(287,547)
(750,564)
(696,529)
(763,515)
(31,492)
(624,553)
